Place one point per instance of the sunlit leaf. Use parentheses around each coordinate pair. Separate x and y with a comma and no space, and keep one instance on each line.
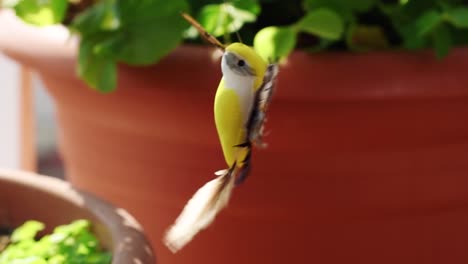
(225,18)
(274,43)
(41,13)
(76,245)
(98,72)
(27,231)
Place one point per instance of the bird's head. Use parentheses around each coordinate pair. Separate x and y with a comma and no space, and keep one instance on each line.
(242,61)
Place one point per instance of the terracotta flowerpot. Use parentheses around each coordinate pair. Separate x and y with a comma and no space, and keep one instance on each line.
(367,161)
(27,196)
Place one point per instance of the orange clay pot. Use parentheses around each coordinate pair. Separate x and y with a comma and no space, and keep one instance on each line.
(367,162)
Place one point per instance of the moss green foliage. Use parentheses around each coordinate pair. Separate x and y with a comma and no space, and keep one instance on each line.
(68,244)
(141,32)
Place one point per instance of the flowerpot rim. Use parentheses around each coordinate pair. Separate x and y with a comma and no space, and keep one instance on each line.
(330,76)
(58,40)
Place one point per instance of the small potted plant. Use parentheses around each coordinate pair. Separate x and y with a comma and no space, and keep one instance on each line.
(67,243)
(366,144)
(78,227)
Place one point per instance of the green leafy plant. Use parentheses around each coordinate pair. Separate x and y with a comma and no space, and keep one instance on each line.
(68,244)
(141,32)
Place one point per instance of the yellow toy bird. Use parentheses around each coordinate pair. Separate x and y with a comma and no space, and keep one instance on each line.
(240,105)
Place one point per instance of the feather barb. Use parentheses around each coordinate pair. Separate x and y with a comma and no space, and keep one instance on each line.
(200,211)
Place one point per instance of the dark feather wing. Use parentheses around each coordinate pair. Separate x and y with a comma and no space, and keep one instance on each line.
(263,97)
(255,126)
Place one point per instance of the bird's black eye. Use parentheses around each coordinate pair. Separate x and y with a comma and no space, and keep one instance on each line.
(241,63)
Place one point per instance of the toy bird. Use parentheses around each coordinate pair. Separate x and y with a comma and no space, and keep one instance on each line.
(240,106)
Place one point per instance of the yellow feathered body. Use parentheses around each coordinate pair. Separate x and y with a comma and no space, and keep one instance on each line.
(235,98)
(230,123)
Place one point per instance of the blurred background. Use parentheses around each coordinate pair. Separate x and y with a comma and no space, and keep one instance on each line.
(21,87)
(368,154)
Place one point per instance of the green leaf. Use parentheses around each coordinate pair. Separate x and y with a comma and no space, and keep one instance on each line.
(221,19)
(131,31)
(274,43)
(427,22)
(29,260)
(442,41)
(102,16)
(242,12)
(58,259)
(214,19)
(76,246)
(417,33)
(42,13)
(458,17)
(323,23)
(144,12)
(99,258)
(73,228)
(27,231)
(149,30)
(99,72)
(413,8)
(250,6)
(410,17)
(148,44)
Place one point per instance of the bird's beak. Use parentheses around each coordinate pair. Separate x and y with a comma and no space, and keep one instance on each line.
(229,58)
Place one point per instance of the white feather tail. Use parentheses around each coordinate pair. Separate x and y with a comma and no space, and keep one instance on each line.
(200,211)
